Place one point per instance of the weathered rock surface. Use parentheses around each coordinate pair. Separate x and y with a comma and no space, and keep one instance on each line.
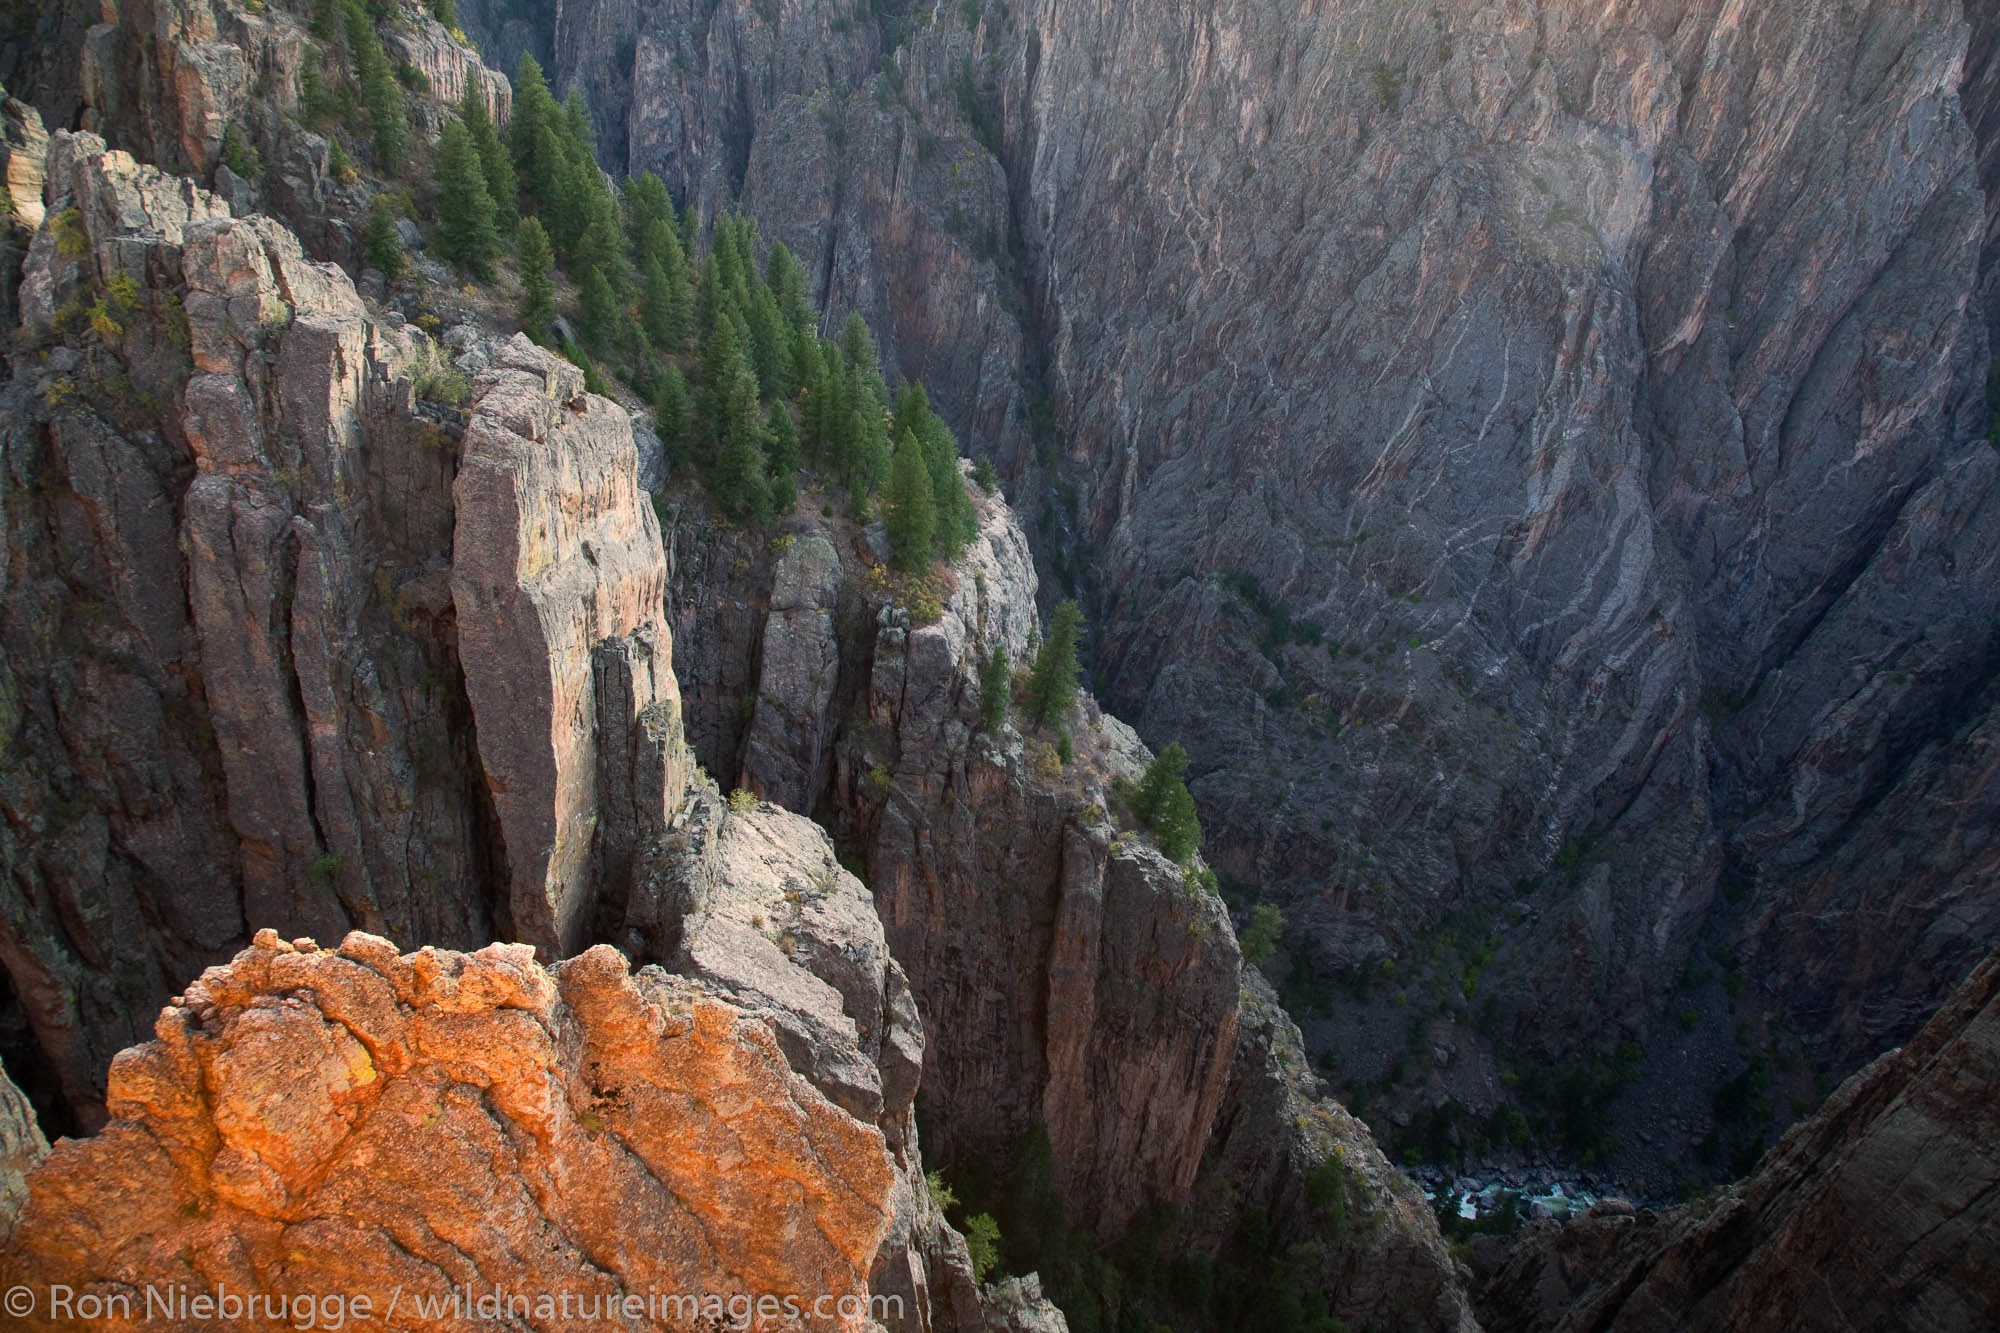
(1592,399)
(1878,1212)
(558,584)
(24,144)
(1378,1248)
(21,1147)
(749,900)
(310,1120)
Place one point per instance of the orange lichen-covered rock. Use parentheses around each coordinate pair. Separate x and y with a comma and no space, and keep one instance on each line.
(432,1130)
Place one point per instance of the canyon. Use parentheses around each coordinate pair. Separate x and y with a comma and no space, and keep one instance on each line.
(1537,460)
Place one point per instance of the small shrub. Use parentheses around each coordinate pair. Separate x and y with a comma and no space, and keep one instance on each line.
(240,154)
(982,1242)
(922,599)
(742,801)
(324,872)
(1262,936)
(1044,761)
(1389,80)
(72,242)
(437,380)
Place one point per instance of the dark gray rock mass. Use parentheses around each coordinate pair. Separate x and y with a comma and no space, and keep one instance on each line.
(1535,460)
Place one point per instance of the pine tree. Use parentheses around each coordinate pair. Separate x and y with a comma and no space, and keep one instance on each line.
(1265,932)
(314,103)
(1177,830)
(445,12)
(788,287)
(598,312)
(1052,683)
(808,366)
(665,303)
(912,510)
(466,234)
(957,520)
(721,285)
(739,476)
(722,362)
(380,92)
(601,244)
(857,348)
(781,451)
(826,414)
(867,451)
(646,203)
(670,416)
(996,689)
(532,107)
(576,120)
(383,247)
(494,162)
(538,289)
(770,343)
(1166,772)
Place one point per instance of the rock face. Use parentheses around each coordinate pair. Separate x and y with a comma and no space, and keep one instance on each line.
(749,901)
(233,690)
(848,143)
(24,145)
(21,1147)
(166,79)
(1068,975)
(1516,470)
(309,1121)
(558,584)
(1878,1212)
(1379,1249)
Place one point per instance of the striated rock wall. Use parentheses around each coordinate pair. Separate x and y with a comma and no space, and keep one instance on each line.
(1594,397)
(310,1120)
(1878,1212)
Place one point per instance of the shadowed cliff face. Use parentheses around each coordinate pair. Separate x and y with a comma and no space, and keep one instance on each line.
(1879,1212)
(1529,456)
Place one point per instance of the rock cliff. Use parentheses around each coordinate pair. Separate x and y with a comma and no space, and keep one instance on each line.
(233,686)
(1070,977)
(167,79)
(557,584)
(1878,1212)
(1529,457)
